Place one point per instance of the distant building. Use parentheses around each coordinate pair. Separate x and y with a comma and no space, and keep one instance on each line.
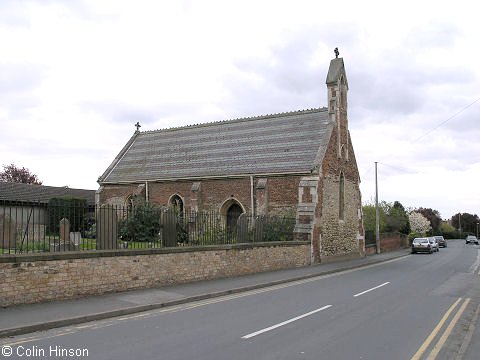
(300,163)
(30,193)
(23,208)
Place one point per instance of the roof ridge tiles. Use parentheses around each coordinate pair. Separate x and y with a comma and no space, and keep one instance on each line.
(241,119)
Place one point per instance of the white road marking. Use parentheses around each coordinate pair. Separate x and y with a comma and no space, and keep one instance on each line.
(374,288)
(248,336)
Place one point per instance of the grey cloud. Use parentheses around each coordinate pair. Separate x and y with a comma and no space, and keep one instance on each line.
(17,82)
(118,112)
(400,88)
(19,78)
(291,77)
(12,14)
(436,34)
(160,114)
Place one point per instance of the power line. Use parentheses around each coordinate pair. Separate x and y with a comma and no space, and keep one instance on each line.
(424,135)
(407,171)
(443,122)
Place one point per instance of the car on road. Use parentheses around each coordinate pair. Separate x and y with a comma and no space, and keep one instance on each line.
(434,243)
(421,245)
(441,241)
(471,239)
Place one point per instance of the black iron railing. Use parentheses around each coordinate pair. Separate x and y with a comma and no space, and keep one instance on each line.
(40,227)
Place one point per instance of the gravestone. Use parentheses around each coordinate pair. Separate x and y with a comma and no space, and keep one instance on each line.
(75,238)
(260,227)
(64,230)
(64,243)
(242,229)
(8,232)
(169,226)
(107,228)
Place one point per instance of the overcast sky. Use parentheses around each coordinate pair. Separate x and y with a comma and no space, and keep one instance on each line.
(75,76)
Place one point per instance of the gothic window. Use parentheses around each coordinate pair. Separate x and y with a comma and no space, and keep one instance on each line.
(129,203)
(233,213)
(176,203)
(341,205)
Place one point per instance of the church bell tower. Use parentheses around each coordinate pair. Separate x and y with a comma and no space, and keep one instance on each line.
(337,87)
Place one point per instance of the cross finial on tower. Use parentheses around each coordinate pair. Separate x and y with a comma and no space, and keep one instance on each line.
(336,52)
(138,126)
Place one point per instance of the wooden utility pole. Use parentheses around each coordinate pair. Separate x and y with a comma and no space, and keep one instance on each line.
(377,217)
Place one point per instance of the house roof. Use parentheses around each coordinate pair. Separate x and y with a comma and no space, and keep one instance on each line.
(41,193)
(272,144)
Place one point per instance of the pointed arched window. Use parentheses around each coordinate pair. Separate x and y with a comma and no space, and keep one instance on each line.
(233,213)
(176,203)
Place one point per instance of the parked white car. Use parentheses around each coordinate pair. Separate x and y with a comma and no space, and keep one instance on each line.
(471,239)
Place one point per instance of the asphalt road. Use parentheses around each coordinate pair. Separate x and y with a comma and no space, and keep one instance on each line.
(415,307)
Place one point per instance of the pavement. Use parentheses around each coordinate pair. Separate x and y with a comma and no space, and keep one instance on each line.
(24,319)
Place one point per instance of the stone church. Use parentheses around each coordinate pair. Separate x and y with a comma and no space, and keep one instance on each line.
(300,163)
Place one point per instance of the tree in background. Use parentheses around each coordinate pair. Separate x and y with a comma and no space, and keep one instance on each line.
(419,224)
(468,223)
(448,231)
(13,174)
(397,219)
(392,218)
(433,216)
(369,218)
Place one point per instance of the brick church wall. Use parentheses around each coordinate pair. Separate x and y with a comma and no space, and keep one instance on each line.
(116,194)
(280,196)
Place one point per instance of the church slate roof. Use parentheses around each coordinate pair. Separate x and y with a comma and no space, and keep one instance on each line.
(293,142)
(32,193)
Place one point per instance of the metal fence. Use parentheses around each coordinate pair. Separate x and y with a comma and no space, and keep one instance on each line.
(40,227)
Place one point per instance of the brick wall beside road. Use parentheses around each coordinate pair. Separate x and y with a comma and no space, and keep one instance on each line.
(45,277)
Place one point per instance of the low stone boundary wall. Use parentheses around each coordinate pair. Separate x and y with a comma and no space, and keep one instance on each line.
(44,277)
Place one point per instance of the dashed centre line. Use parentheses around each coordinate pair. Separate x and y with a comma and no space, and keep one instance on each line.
(248,336)
(253,334)
(371,289)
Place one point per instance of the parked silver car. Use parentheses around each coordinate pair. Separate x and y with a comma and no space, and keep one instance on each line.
(421,245)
